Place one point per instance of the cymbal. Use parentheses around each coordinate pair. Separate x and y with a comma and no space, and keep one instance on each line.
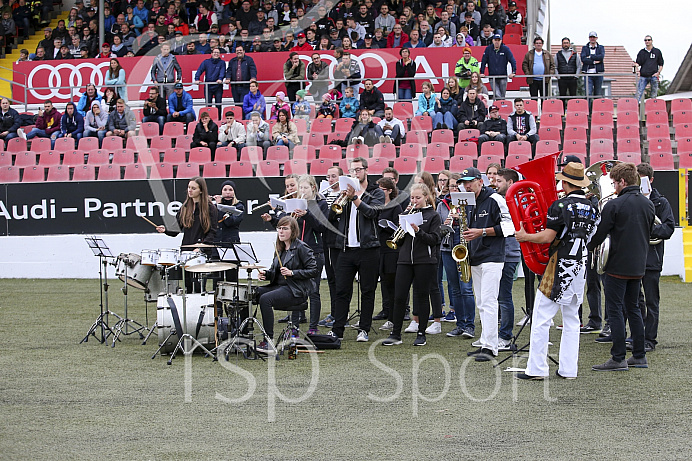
(199,245)
(253,266)
(211,267)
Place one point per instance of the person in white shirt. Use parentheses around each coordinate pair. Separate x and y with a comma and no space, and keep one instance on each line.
(393,129)
(232,133)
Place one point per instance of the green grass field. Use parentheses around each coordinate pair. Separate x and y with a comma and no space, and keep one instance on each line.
(63,400)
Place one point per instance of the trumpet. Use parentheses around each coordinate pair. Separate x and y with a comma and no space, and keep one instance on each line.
(399,233)
(340,203)
(460,253)
(269,202)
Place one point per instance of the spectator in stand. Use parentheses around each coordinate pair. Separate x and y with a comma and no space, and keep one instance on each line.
(23,56)
(258,132)
(431,15)
(426,35)
(301,108)
(294,73)
(302,45)
(650,62)
(521,125)
(205,18)
(347,73)
(180,106)
(447,24)
(190,49)
(447,41)
(393,129)
(118,49)
(328,107)
(258,24)
(592,55)
(202,46)
(372,99)
(446,111)
(285,132)
(405,89)
(466,66)
(87,98)
(368,43)
(71,124)
(141,11)
(473,28)
(493,129)
(364,130)
(318,74)
(385,21)
(353,26)
(427,101)
(232,133)
(279,104)
(378,40)
(437,41)
(245,15)
(496,57)
(471,8)
(414,40)
(122,122)
(544,65)
(477,83)
(115,77)
(254,102)
(472,111)
(214,70)
(242,69)
(133,20)
(349,106)
(347,43)
(64,53)
(155,109)
(166,71)
(47,42)
(397,38)
(110,98)
(365,19)
(22,16)
(206,133)
(91,41)
(486,36)
(567,61)
(47,123)
(96,122)
(454,91)
(493,18)
(513,16)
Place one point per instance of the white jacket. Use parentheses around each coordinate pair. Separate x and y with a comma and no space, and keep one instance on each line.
(235,134)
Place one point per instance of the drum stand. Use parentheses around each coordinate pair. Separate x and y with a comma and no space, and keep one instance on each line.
(156,323)
(121,325)
(101,250)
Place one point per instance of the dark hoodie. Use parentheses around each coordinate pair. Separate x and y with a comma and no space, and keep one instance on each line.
(490,211)
(654,259)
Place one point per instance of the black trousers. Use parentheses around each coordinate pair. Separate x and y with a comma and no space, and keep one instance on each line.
(275,297)
(621,300)
(214,92)
(567,86)
(292,88)
(423,277)
(593,293)
(331,258)
(365,263)
(537,87)
(649,305)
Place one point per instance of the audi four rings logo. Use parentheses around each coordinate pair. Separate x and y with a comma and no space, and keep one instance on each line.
(76,77)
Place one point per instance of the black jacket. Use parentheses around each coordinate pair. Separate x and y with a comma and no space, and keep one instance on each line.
(196,234)
(498,124)
(371,133)
(663,231)
(366,224)
(312,225)
(9,121)
(301,261)
(449,105)
(628,219)
(391,213)
(229,226)
(405,71)
(160,109)
(490,211)
(372,100)
(468,111)
(425,248)
(200,134)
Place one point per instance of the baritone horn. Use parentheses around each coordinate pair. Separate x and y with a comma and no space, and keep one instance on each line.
(602,188)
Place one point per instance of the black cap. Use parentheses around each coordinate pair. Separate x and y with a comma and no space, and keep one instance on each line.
(178,86)
(469,174)
(368,36)
(569,158)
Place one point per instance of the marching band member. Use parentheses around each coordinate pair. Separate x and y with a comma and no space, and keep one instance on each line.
(628,219)
(291,183)
(198,220)
(571,222)
(488,226)
(417,266)
(230,225)
(331,250)
(360,250)
(290,275)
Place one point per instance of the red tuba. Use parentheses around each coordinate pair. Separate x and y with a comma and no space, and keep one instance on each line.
(528,201)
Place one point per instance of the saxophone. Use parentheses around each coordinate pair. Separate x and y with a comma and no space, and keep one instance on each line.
(460,253)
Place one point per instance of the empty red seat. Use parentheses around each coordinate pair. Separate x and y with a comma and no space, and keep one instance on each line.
(599,157)
(187,170)
(512,39)
(406,165)
(685,146)
(552,106)
(34,174)
(403,110)
(629,145)
(461,162)
(485,160)
(41,145)
(16,145)
(660,146)
(549,134)
(5,158)
(601,146)
(214,170)
(298,167)
(579,119)
(433,163)
(629,118)
(137,143)
(237,112)
(418,136)
(58,173)
(657,131)
(551,121)
(682,117)
(174,156)
(343,125)
(84,173)
(200,155)
(173,129)
(304,152)
(315,139)
(516,159)
(627,132)
(268,168)
(183,141)
(631,157)
(135,171)
(627,105)
(680,104)
(25,159)
(385,151)
(577,105)
(112,143)
(506,107)
(242,169)
(531,105)
(123,157)
(336,136)
(601,132)
(575,147)
(9,174)
(162,143)
(661,161)
(321,125)
(278,153)
(302,126)
(49,158)
(438,150)
(377,165)
(162,171)
(657,117)
(654,104)
(319,167)
(64,144)
(602,105)
(147,157)
(546,147)
(515,29)
(601,119)
(414,150)
(331,152)
(98,157)
(446,136)
(575,132)
(73,158)
(422,122)
(466,149)
(519,148)
(225,154)
(356,150)
(149,129)
(109,173)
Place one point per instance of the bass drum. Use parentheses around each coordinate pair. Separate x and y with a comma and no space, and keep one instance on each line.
(157,287)
(199,308)
(130,265)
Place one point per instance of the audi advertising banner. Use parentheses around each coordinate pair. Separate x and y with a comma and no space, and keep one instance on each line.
(62,80)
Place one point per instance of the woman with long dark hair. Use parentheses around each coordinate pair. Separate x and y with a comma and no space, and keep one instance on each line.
(405,67)
(110,98)
(115,77)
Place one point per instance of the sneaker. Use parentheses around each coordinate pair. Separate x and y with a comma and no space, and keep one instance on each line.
(263,347)
(362,337)
(450,317)
(313,331)
(412,327)
(392,340)
(387,325)
(476,343)
(388,139)
(557,373)
(381,316)
(285,319)
(21,134)
(431,318)
(526,377)
(420,340)
(590,329)
(326,320)
(468,333)
(382,139)
(331,333)
(611,365)
(407,315)
(604,339)
(474,352)
(458,331)
(434,328)
(637,363)
(605,331)
(485,355)
(355,325)
(524,320)
(504,345)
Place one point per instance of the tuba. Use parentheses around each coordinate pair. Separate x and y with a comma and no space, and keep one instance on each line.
(528,201)
(602,187)
(460,253)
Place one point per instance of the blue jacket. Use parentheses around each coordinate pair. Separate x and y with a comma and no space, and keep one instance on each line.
(497,60)
(588,59)
(212,71)
(248,70)
(187,103)
(249,104)
(426,106)
(81,104)
(74,125)
(352,112)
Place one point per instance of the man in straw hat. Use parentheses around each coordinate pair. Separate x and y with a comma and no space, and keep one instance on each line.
(571,222)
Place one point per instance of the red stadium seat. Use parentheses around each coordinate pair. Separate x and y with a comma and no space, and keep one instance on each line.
(240,169)
(594,158)
(123,157)
(601,119)
(515,29)
(183,141)
(683,117)
(438,149)
(552,106)
(551,121)
(268,168)
(302,126)
(485,160)
(468,134)
(403,110)
(506,107)
(661,161)
(412,149)
(422,122)
(406,165)
(88,143)
(629,145)
(433,163)
(237,112)
(41,145)
(516,159)
(304,152)
(109,173)
(137,143)
(575,132)
(214,170)
(357,150)
(684,146)
(226,154)
(578,119)
(148,157)
(601,132)
(331,152)
(343,125)
(162,171)
(34,174)
(112,143)
(657,117)
(601,146)
(654,105)
(16,145)
(321,125)
(577,105)
(98,157)
(149,129)
(58,173)
(512,39)
(680,104)
(519,148)
(384,151)
(575,147)
(73,158)
(602,105)
(173,129)
(298,167)
(660,146)
(628,118)
(418,136)
(49,158)
(200,155)
(627,132)
(631,157)
(466,149)
(187,170)
(549,134)
(174,156)
(445,136)
(627,105)
(319,167)
(315,139)
(136,171)
(657,131)
(84,173)
(161,143)
(377,165)
(493,148)
(336,136)
(25,159)
(5,158)
(278,153)
(546,147)
(344,164)
(460,162)
(9,174)
(531,105)
(64,144)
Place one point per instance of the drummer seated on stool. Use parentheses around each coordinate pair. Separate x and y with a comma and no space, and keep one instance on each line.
(290,275)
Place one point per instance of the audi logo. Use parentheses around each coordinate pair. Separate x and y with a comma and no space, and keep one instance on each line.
(75,75)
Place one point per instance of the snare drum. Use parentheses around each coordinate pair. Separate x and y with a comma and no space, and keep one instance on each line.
(191,258)
(199,309)
(130,264)
(168,257)
(230,292)
(157,286)
(150,257)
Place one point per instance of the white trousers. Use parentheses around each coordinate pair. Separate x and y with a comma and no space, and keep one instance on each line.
(543,312)
(486,286)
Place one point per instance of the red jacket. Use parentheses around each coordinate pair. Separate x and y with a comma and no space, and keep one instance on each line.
(50,122)
(390,39)
(306,47)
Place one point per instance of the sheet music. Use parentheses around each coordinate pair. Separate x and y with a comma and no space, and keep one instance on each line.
(293,204)
(345,181)
(405,221)
(275,202)
(459,197)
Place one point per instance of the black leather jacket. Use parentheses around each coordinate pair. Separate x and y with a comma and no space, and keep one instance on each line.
(301,261)
(366,224)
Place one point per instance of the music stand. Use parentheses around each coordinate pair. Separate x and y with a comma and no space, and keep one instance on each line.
(100,249)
